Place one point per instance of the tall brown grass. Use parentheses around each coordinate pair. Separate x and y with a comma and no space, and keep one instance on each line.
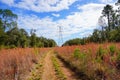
(96,61)
(16,63)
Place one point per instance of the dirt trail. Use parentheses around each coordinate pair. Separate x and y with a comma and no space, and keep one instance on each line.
(48,72)
(70,75)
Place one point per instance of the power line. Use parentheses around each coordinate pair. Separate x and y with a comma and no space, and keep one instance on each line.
(60,35)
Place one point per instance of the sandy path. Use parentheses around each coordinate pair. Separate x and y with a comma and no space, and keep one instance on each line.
(70,75)
(48,72)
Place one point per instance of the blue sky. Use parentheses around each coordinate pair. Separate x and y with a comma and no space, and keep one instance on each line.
(77,18)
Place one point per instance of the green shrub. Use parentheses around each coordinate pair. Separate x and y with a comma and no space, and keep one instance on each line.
(12,46)
(118,57)
(100,51)
(112,49)
(100,54)
(99,60)
(79,55)
(76,53)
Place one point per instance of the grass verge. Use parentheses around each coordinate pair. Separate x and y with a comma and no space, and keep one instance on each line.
(58,70)
(36,73)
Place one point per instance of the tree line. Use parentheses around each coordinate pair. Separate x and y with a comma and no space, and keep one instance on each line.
(109,30)
(11,36)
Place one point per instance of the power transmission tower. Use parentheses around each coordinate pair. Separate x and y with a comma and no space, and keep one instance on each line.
(60,35)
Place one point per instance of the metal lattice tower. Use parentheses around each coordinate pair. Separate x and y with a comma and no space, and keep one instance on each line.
(60,35)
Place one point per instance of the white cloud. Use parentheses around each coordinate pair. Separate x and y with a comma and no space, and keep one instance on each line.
(56,15)
(41,5)
(91,6)
(44,27)
(9,2)
(81,22)
(107,1)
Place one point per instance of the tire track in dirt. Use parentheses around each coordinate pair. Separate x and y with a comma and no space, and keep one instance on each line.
(69,74)
(48,72)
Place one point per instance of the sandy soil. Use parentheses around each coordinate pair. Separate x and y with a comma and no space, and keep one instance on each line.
(70,75)
(48,72)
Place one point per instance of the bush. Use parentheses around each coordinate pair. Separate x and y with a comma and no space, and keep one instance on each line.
(112,49)
(76,53)
(100,53)
(118,57)
(12,46)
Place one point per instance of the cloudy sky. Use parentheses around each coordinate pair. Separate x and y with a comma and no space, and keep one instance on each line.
(77,18)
